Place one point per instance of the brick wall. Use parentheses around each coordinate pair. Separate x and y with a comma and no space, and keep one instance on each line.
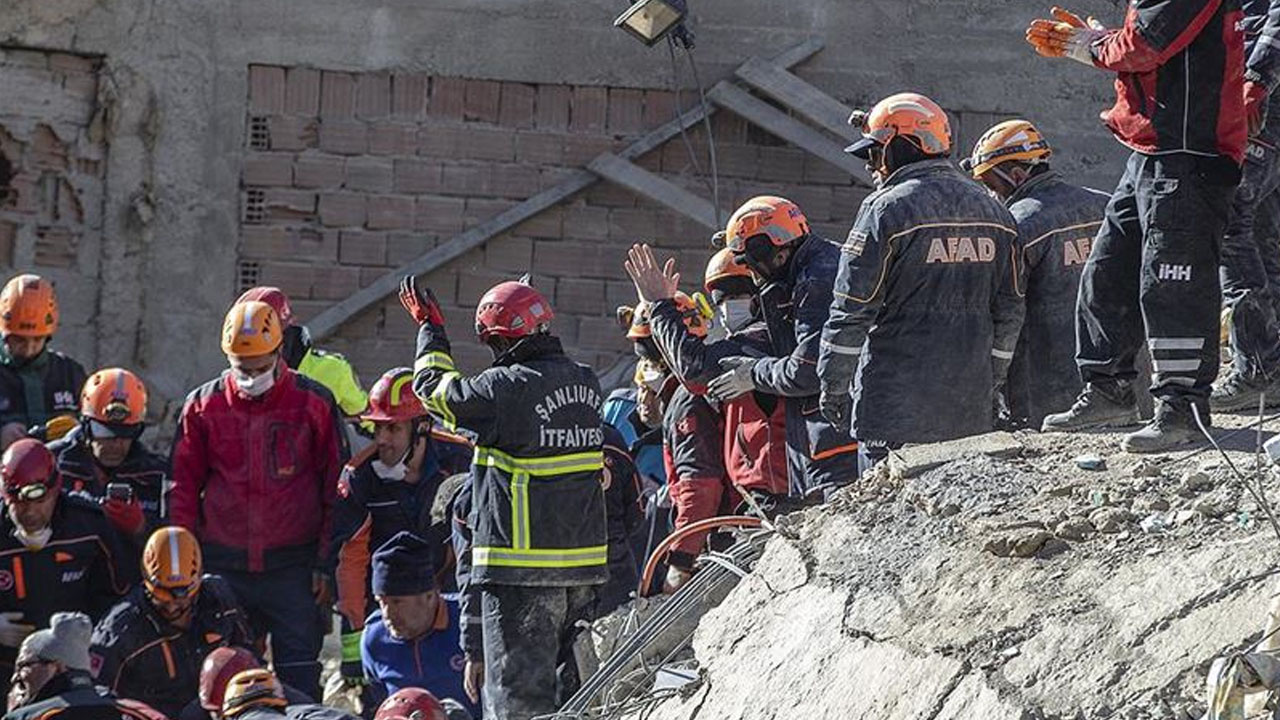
(51,214)
(347,176)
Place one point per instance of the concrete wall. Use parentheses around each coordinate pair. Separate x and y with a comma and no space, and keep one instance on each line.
(175,84)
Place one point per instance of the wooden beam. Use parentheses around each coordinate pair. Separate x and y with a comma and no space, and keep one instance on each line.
(656,188)
(820,108)
(334,316)
(759,112)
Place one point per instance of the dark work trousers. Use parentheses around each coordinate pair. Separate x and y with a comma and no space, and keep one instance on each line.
(279,602)
(1154,267)
(1251,264)
(527,632)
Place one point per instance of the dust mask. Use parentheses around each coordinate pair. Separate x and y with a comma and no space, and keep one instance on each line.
(393,472)
(735,313)
(258,385)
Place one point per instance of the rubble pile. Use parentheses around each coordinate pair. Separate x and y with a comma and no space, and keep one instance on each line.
(1028,576)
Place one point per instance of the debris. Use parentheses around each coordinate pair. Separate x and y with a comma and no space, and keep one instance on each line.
(1195,482)
(1154,523)
(913,460)
(1183,517)
(1091,462)
(1110,519)
(1210,507)
(1147,468)
(1076,529)
(1148,505)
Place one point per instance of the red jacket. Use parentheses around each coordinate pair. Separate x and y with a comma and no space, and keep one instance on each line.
(1181,77)
(255,478)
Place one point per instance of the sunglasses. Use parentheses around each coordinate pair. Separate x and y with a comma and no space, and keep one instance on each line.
(169,594)
(107,431)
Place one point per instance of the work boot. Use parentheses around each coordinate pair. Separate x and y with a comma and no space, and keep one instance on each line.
(1100,405)
(1173,427)
(1240,391)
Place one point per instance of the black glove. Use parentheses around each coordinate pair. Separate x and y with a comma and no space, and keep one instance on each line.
(836,407)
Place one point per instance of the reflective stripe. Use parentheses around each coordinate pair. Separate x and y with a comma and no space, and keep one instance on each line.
(437,404)
(540,466)
(1191,343)
(842,349)
(1175,365)
(434,360)
(520,511)
(529,558)
(1001,354)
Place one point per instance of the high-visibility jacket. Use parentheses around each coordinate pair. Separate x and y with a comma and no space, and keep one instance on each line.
(538,513)
(334,371)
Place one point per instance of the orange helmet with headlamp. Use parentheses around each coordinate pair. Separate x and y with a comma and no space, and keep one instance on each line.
(172,564)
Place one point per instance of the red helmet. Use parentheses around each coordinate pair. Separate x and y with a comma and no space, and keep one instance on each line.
(411,704)
(272,296)
(512,310)
(220,665)
(392,398)
(27,471)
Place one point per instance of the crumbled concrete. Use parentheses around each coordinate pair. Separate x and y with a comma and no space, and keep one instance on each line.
(891,612)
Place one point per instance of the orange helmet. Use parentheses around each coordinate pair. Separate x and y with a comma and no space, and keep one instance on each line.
(908,115)
(251,329)
(693,310)
(115,396)
(220,665)
(252,688)
(272,296)
(392,398)
(171,564)
(778,218)
(723,266)
(28,307)
(1005,142)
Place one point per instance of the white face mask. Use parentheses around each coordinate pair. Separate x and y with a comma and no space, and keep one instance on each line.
(258,385)
(392,472)
(735,313)
(33,541)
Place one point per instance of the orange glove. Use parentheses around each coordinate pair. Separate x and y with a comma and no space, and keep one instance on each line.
(1255,106)
(1065,36)
(421,304)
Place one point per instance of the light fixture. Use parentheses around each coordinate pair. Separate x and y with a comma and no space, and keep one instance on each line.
(651,20)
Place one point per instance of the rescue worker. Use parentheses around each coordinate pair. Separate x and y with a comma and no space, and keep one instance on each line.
(38,386)
(470,623)
(411,704)
(254,695)
(1153,268)
(219,666)
(104,452)
(255,471)
(927,308)
(388,488)
(794,270)
(1056,225)
(691,427)
(624,521)
(540,541)
(57,551)
(754,441)
(412,639)
(53,680)
(151,645)
(326,367)
(1250,270)
(749,442)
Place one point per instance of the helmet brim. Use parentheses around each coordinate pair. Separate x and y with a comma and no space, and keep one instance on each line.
(862,148)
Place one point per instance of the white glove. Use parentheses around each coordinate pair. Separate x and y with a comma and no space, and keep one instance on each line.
(734,383)
(676,578)
(12,630)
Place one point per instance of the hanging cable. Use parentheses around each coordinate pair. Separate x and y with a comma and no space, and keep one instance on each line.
(711,140)
(684,133)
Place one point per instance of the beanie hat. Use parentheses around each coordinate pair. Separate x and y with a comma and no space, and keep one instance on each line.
(402,566)
(65,641)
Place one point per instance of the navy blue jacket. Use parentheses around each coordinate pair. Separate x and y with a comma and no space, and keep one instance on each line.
(794,310)
(433,662)
(1056,225)
(926,298)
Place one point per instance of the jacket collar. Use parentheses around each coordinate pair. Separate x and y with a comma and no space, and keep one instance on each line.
(534,347)
(919,169)
(1025,190)
(63,683)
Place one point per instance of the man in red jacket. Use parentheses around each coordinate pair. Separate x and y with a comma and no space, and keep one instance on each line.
(1152,273)
(255,471)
